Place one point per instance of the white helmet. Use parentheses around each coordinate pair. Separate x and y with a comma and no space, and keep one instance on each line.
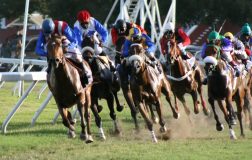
(169,27)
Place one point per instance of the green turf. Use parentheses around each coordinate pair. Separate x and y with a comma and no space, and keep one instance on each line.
(196,140)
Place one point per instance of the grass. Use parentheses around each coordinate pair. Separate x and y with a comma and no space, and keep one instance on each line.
(198,140)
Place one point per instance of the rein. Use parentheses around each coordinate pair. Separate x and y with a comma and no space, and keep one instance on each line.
(78,69)
(180,78)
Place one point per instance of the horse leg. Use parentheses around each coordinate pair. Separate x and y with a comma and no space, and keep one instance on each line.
(129,99)
(247,109)
(167,92)
(97,118)
(153,116)
(64,114)
(239,100)
(219,126)
(195,101)
(160,115)
(230,109)
(147,120)
(87,105)
(110,102)
(119,107)
(187,110)
(203,103)
(226,114)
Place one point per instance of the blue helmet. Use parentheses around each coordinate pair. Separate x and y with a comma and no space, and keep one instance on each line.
(48,26)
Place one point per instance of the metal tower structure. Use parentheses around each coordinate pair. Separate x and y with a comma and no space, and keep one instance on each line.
(143,11)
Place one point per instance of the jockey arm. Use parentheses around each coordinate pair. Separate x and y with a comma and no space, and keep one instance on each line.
(203,50)
(40,46)
(78,34)
(163,43)
(151,46)
(70,35)
(101,30)
(126,47)
(185,38)
(114,36)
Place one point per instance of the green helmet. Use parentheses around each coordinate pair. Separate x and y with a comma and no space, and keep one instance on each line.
(246,29)
(213,36)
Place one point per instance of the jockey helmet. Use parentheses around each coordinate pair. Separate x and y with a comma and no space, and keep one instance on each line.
(169,27)
(213,36)
(246,29)
(121,26)
(83,16)
(48,26)
(229,35)
(135,34)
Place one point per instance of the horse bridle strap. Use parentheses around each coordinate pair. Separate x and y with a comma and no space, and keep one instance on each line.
(180,78)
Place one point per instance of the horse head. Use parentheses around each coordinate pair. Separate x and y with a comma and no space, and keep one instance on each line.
(55,51)
(136,49)
(88,41)
(173,51)
(136,63)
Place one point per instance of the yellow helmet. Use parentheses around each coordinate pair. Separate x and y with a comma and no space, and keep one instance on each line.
(135,32)
(229,35)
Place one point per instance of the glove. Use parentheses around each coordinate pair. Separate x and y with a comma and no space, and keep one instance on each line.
(181,46)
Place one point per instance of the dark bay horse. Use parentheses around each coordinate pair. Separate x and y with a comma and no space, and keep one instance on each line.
(65,84)
(147,84)
(105,85)
(124,82)
(224,86)
(185,79)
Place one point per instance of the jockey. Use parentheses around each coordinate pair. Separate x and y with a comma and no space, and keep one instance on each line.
(50,27)
(246,39)
(122,28)
(224,48)
(238,47)
(136,36)
(181,37)
(89,26)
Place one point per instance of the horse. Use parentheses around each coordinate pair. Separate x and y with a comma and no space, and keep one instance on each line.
(64,73)
(105,85)
(185,79)
(229,88)
(147,84)
(122,69)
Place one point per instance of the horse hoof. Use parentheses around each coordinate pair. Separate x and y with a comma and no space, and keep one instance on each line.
(89,139)
(71,134)
(242,136)
(219,127)
(206,112)
(155,120)
(119,108)
(232,121)
(176,115)
(117,131)
(82,136)
(163,129)
(233,137)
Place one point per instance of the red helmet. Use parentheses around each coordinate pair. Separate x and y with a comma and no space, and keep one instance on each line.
(83,16)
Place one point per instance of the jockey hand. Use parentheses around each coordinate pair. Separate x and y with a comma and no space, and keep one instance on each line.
(181,46)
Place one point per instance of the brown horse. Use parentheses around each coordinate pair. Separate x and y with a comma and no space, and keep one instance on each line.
(185,79)
(146,85)
(105,85)
(65,84)
(224,86)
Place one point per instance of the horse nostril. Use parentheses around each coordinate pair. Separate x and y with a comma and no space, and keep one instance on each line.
(57,60)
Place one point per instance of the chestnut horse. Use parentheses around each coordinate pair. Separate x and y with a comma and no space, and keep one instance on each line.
(146,85)
(185,79)
(105,85)
(64,82)
(224,86)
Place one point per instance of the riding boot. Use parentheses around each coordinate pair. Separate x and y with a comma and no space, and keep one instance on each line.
(85,75)
(244,61)
(234,65)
